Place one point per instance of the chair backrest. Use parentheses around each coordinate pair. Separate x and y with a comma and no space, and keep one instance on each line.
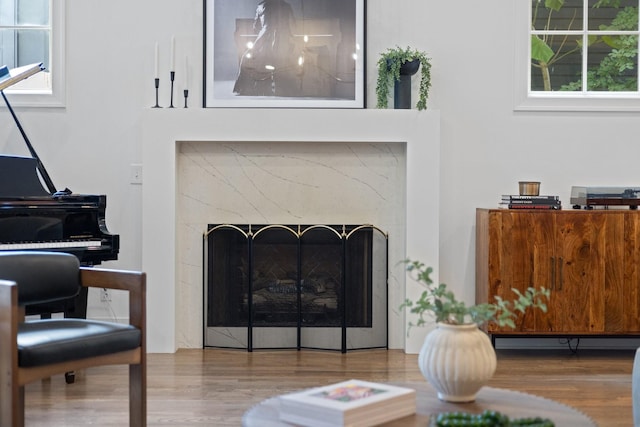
(41,276)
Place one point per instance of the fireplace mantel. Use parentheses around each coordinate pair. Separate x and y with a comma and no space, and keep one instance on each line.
(164,129)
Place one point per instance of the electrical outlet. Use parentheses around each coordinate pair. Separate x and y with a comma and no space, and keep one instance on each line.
(105,296)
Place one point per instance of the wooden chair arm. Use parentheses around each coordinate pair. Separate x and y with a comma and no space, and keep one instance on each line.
(9,313)
(7,295)
(9,303)
(93,277)
(8,330)
(133,282)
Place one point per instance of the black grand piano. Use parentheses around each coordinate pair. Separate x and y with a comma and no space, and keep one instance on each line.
(34,215)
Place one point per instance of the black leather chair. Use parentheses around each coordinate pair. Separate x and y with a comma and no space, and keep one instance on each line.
(35,349)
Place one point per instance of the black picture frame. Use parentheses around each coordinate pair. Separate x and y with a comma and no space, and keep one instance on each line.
(284,53)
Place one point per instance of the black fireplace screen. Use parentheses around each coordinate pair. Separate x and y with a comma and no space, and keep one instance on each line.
(296,276)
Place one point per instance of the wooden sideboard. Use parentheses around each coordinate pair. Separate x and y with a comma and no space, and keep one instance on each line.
(589,259)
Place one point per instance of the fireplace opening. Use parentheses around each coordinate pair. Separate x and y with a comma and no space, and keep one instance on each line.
(295,286)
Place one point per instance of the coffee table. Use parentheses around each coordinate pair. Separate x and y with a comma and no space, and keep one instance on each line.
(515,404)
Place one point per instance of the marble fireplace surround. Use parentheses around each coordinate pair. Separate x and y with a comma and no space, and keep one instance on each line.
(171,255)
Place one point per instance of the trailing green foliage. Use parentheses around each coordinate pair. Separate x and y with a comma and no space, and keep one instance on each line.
(389,72)
(441,303)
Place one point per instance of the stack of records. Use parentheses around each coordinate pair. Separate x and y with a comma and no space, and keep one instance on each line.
(530,202)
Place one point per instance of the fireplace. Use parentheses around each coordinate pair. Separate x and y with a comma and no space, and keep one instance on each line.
(211,165)
(295,286)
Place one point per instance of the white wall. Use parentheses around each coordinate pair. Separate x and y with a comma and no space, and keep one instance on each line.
(486,146)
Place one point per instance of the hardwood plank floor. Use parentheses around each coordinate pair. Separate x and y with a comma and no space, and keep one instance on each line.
(215,387)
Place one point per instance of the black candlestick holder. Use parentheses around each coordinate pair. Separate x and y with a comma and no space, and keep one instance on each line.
(186,95)
(157,84)
(173,77)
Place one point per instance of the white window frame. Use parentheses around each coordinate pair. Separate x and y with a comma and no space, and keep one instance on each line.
(527,100)
(56,97)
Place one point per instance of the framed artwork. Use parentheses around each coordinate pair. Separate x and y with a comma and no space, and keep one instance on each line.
(284,53)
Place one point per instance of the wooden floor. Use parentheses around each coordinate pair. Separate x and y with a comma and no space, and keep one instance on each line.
(214,387)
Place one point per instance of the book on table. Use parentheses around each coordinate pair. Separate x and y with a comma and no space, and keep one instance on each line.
(353,403)
(541,197)
(530,199)
(534,206)
(530,202)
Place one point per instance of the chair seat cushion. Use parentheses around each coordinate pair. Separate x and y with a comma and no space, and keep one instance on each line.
(47,341)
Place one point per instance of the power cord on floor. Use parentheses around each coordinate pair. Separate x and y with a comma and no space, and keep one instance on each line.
(568,341)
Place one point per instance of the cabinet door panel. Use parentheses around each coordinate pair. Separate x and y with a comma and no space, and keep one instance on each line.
(628,303)
(542,234)
(613,282)
(578,294)
(520,244)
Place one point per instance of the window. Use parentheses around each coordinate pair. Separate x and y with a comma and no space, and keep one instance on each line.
(31,31)
(582,54)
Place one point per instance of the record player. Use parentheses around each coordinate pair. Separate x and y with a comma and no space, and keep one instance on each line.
(590,197)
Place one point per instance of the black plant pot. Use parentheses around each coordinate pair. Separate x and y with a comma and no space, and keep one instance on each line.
(402,87)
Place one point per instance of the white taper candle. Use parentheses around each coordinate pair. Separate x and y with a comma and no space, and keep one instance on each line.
(157,74)
(173,54)
(186,72)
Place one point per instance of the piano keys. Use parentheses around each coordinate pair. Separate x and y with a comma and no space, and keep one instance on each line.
(43,246)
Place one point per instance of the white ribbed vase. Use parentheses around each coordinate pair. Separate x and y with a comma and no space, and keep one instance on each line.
(457,360)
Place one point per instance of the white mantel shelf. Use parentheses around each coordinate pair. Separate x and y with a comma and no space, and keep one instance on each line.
(163,130)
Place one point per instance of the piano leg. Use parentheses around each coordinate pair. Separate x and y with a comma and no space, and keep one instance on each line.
(77,310)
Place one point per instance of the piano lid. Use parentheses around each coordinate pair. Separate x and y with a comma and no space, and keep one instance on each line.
(19,177)
(9,77)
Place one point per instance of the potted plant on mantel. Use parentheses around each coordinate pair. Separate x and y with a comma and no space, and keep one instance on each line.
(397,65)
(457,358)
